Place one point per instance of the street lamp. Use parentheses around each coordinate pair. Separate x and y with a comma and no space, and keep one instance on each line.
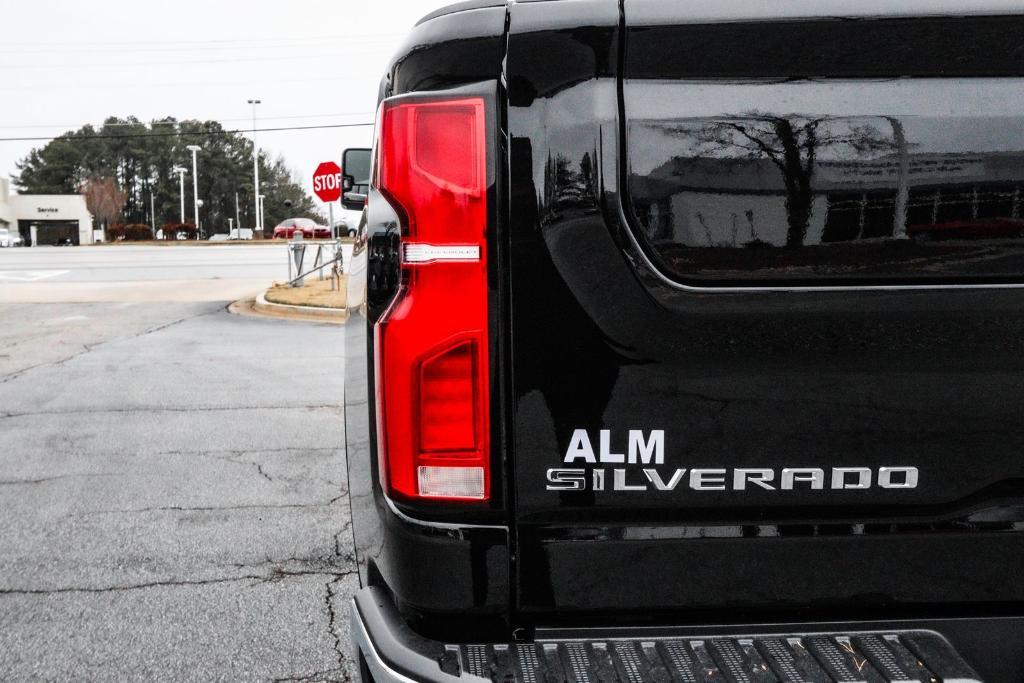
(256,167)
(181,189)
(195,185)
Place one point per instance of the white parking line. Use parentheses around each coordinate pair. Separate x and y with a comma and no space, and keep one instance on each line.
(31,275)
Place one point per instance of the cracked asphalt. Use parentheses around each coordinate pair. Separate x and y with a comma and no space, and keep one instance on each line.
(173,493)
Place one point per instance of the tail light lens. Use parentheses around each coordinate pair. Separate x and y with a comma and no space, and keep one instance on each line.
(431,344)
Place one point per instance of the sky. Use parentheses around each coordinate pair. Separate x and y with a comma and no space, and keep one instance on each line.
(66,63)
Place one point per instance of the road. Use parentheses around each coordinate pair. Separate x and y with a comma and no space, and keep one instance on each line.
(119,273)
(132,263)
(171,475)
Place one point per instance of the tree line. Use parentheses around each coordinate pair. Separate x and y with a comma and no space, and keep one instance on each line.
(139,159)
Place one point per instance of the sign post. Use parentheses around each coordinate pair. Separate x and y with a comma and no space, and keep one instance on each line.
(327,186)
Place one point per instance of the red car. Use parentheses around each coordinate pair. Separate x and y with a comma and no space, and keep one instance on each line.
(309,228)
(973,229)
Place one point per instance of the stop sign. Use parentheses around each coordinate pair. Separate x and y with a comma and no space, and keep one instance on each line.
(327,181)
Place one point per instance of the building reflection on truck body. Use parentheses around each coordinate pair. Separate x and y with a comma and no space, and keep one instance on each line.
(770,194)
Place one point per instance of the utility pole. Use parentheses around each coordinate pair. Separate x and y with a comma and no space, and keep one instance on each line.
(259,203)
(238,222)
(181,189)
(152,212)
(195,185)
(256,168)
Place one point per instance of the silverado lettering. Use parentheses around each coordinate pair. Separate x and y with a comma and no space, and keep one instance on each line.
(733,479)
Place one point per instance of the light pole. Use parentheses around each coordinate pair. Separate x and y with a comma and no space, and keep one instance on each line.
(181,189)
(256,168)
(259,203)
(152,212)
(195,185)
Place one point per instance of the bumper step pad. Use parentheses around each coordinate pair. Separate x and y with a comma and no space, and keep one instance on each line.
(904,657)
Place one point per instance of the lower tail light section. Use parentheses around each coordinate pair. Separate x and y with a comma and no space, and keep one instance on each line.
(451,482)
(432,344)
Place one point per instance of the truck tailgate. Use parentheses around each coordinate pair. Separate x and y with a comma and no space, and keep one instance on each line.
(767,339)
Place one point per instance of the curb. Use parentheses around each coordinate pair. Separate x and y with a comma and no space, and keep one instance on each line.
(263,308)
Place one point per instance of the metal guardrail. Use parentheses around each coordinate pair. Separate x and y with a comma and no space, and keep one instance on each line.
(328,254)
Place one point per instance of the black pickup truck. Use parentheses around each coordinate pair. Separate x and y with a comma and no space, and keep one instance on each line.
(687,344)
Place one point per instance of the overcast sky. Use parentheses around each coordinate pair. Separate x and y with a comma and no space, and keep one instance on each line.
(65,63)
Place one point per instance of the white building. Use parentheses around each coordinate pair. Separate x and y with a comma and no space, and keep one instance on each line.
(731,202)
(45,218)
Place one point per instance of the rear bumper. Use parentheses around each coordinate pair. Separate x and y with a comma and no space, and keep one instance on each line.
(393,652)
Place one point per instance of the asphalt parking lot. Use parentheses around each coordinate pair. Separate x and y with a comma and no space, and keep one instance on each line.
(172,482)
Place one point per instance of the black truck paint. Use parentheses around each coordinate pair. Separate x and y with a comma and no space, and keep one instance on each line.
(641,150)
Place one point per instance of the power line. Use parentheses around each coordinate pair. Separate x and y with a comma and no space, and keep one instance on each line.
(169,62)
(176,43)
(120,84)
(160,122)
(335,52)
(182,133)
(157,48)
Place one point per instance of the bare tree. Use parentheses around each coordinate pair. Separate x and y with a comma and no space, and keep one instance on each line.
(104,199)
(792,143)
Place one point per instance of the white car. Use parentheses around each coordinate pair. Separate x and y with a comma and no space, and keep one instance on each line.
(246,234)
(348,224)
(9,240)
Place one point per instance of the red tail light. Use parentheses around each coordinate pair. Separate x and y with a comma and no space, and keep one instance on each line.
(432,367)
